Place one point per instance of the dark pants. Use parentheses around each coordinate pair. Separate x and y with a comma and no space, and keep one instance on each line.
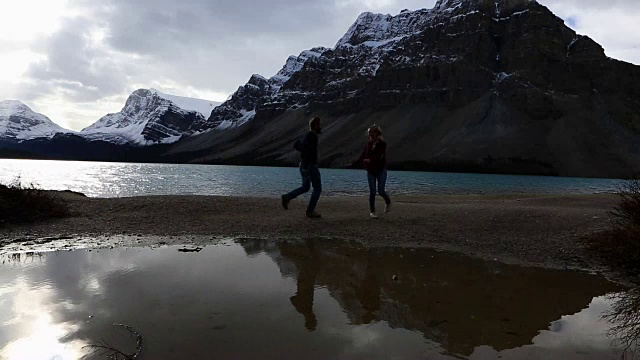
(379,177)
(310,177)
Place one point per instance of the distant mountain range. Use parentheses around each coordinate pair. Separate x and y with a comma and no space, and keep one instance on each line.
(470,85)
(148,117)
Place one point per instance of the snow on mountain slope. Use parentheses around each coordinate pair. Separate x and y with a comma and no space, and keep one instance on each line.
(19,122)
(204,107)
(151,117)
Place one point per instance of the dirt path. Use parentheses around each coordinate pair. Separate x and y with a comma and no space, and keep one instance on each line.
(532,230)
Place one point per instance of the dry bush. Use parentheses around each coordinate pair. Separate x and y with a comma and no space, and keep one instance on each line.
(22,204)
(620,245)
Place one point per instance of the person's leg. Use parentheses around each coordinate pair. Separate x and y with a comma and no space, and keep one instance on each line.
(382,183)
(316,182)
(306,185)
(371,178)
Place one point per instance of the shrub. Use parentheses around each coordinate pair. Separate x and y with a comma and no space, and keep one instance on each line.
(620,245)
(20,204)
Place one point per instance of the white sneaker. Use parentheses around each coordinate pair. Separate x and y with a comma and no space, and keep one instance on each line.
(373,216)
(387,208)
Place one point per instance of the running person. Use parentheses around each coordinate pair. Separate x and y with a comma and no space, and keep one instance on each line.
(309,171)
(374,159)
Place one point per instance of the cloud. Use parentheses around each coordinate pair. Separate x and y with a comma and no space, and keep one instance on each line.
(104,50)
(613,24)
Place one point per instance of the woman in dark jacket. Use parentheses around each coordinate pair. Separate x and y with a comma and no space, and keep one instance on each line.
(374,159)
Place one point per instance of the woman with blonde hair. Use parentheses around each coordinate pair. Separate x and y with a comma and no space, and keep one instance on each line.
(374,159)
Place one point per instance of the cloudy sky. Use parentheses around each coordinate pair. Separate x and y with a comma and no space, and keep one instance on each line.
(76,60)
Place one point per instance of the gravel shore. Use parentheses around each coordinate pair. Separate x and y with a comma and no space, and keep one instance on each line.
(522,229)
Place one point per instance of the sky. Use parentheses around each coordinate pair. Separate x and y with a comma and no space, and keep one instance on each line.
(77,60)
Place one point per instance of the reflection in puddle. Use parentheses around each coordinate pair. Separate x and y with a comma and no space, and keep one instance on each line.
(625,315)
(313,299)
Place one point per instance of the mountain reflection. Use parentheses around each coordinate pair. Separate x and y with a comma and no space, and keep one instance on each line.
(311,299)
(457,302)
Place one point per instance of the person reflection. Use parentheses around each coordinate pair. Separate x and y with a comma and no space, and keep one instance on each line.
(306,262)
(368,292)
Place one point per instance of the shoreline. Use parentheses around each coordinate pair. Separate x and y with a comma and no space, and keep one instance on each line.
(532,230)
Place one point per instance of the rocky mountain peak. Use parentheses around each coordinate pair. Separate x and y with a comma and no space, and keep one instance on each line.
(365,47)
(371,28)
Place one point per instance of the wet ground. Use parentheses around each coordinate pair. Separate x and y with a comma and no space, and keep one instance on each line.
(311,299)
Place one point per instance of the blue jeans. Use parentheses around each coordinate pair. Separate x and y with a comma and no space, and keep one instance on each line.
(310,177)
(379,177)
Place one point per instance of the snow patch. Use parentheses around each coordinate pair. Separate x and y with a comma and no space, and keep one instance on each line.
(572,43)
(519,13)
(204,107)
(500,77)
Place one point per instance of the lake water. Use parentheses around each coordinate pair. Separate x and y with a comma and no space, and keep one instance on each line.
(306,299)
(125,179)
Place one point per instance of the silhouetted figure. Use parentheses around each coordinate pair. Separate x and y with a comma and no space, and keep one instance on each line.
(309,170)
(305,260)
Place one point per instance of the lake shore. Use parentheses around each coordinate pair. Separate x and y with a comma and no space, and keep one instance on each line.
(537,230)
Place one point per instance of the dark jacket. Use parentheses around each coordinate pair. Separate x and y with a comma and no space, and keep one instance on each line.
(309,149)
(376,152)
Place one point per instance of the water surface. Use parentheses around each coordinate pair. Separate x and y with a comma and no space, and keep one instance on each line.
(127,179)
(311,299)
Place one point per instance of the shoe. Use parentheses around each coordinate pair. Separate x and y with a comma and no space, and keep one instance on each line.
(313,215)
(387,208)
(373,215)
(285,202)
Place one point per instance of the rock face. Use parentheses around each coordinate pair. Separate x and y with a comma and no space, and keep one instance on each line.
(151,117)
(261,94)
(18,123)
(487,85)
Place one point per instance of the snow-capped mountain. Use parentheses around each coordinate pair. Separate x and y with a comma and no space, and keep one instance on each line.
(372,41)
(18,122)
(152,117)
(469,85)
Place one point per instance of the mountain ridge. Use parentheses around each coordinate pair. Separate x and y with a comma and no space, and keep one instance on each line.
(159,123)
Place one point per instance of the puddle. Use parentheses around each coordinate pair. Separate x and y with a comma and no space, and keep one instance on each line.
(314,299)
